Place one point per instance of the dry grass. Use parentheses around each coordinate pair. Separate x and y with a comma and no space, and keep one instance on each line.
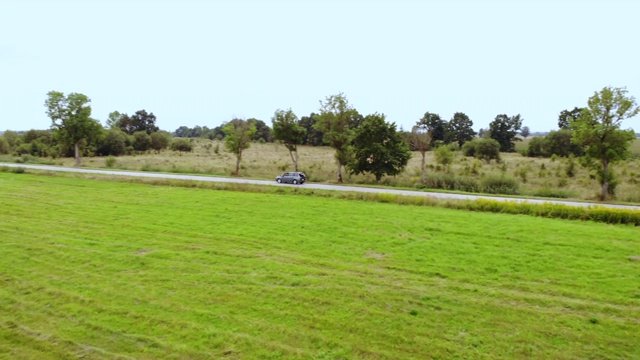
(537,176)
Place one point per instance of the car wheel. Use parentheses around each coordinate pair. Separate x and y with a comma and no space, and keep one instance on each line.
(279,181)
(295,182)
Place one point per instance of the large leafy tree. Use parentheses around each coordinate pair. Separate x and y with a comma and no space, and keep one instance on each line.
(263,131)
(378,148)
(597,129)
(140,121)
(336,121)
(313,136)
(71,119)
(504,130)
(287,129)
(436,126)
(566,116)
(238,138)
(461,128)
(421,141)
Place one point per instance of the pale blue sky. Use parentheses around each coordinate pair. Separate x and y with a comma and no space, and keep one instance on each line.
(203,62)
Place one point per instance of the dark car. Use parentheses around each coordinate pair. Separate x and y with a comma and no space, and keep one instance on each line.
(292,177)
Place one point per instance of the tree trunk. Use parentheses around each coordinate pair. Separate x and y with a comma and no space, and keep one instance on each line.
(339,171)
(294,158)
(424,170)
(238,157)
(77,151)
(604,195)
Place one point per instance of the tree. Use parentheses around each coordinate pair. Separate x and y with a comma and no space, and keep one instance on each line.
(239,134)
(262,130)
(182,131)
(597,129)
(421,141)
(525,132)
(140,121)
(461,128)
(160,140)
(378,148)
(71,119)
(336,122)
(115,120)
(504,130)
(287,129)
(559,143)
(435,125)
(566,116)
(313,136)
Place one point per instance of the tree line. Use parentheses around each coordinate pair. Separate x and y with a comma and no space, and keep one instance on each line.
(361,143)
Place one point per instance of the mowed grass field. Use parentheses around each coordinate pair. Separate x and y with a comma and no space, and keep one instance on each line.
(106,270)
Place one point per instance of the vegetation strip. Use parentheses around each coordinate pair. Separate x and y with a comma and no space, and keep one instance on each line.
(517,207)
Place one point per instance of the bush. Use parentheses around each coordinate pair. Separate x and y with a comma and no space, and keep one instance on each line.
(469,148)
(113,143)
(181,145)
(444,156)
(110,162)
(141,141)
(536,147)
(160,140)
(487,149)
(500,185)
(5,148)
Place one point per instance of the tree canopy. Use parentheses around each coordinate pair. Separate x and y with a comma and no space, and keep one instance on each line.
(71,119)
(239,134)
(597,129)
(378,148)
(504,130)
(336,121)
(461,128)
(287,129)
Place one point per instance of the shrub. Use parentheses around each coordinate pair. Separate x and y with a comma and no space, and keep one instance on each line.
(160,140)
(5,148)
(500,185)
(469,148)
(487,150)
(113,143)
(182,145)
(536,147)
(444,156)
(110,161)
(141,141)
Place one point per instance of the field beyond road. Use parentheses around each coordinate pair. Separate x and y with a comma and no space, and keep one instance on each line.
(105,270)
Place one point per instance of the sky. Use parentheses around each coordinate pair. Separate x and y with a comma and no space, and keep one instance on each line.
(199,62)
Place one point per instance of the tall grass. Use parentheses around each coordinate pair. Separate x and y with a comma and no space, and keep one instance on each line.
(535,177)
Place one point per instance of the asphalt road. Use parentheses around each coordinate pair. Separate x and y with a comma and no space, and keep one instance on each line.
(312,186)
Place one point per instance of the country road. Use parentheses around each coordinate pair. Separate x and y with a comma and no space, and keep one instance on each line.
(312,186)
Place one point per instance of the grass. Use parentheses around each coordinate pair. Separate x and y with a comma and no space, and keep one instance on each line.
(100,269)
(536,176)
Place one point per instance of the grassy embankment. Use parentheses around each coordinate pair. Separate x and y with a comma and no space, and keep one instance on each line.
(104,269)
(533,176)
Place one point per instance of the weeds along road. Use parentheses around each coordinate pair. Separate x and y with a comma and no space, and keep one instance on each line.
(313,186)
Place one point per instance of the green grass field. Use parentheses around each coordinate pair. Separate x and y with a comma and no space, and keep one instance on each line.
(105,270)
